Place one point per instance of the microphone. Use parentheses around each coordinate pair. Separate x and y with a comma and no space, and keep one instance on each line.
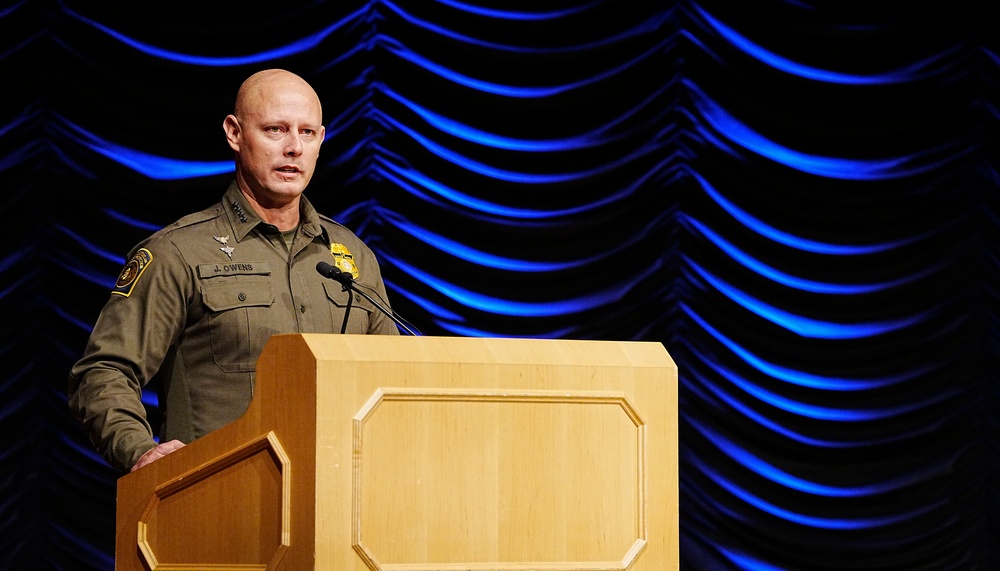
(334,273)
(347,280)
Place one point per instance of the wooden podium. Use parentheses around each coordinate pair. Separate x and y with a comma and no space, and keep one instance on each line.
(365,453)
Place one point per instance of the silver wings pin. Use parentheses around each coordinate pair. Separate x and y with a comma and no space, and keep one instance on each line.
(224,240)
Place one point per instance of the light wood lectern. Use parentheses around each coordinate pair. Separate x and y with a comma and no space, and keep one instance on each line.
(424,453)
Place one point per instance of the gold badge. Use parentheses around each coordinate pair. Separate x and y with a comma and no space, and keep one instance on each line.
(343,259)
(133,269)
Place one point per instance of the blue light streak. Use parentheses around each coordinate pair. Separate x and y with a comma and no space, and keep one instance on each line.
(134,222)
(43,35)
(746,562)
(804,326)
(303,45)
(771,472)
(769,423)
(19,283)
(822,412)
(152,166)
(414,182)
(795,377)
(493,172)
(28,114)
(161,168)
(751,414)
(403,177)
(83,447)
(653,24)
(499,306)
(23,153)
(14,7)
(90,246)
(480,257)
(101,279)
(776,61)
(829,167)
(502,174)
(803,519)
(512,15)
(520,92)
(453,322)
(796,282)
(478,136)
(791,240)
(601,136)
(466,331)
(429,307)
(12,259)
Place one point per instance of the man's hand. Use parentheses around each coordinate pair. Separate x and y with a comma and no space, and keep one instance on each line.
(160,451)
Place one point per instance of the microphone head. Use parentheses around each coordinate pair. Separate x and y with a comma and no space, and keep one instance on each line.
(334,273)
(326,270)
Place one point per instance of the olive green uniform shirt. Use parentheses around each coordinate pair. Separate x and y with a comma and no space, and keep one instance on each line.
(194,306)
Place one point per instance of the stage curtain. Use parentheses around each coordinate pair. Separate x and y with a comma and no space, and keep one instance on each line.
(798,198)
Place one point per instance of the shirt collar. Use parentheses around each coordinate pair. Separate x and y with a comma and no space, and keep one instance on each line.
(243,218)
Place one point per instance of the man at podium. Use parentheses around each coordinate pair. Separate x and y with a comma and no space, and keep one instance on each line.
(198,299)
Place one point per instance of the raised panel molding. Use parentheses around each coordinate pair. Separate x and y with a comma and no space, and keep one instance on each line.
(256,475)
(604,424)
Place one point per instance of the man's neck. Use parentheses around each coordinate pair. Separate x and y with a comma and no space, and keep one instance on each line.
(284,216)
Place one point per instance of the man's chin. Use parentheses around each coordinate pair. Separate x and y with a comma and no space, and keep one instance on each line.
(289,187)
(276,195)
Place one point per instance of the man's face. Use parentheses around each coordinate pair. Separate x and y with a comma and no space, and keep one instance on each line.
(277,139)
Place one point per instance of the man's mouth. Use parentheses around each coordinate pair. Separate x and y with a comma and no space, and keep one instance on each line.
(288,169)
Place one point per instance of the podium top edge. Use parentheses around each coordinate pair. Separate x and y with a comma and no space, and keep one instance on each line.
(392,348)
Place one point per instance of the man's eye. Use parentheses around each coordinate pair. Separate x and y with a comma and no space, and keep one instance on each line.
(273,129)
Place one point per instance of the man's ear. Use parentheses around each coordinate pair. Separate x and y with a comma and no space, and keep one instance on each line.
(232,128)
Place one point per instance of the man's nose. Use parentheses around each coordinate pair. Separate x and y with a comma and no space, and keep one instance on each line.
(293,146)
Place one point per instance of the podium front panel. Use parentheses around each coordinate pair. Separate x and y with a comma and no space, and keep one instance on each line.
(378,453)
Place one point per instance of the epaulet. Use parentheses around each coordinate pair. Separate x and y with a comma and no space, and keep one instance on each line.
(209,213)
(327,219)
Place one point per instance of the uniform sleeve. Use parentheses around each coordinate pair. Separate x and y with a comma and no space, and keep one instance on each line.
(141,320)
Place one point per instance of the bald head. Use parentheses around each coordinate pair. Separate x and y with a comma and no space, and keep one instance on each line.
(276,130)
(260,89)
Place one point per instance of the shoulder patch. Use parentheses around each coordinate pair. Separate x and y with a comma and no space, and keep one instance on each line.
(343,259)
(133,269)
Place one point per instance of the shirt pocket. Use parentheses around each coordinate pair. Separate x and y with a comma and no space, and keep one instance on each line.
(361,309)
(237,316)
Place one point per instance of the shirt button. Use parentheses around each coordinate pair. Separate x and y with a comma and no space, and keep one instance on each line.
(242,296)
(302,308)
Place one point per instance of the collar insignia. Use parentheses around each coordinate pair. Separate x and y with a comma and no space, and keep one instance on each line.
(224,240)
(239,212)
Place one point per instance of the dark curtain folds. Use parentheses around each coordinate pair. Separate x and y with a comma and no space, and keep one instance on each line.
(798,199)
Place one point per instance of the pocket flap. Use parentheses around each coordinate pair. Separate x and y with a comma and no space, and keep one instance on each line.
(336,294)
(220,297)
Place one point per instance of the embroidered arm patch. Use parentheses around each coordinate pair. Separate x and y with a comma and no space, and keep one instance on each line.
(133,269)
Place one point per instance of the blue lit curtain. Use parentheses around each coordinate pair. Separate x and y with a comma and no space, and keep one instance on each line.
(797,198)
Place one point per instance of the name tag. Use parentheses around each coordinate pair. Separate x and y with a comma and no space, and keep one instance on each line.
(233,269)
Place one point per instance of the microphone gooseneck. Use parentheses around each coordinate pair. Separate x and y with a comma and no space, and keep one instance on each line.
(347,280)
